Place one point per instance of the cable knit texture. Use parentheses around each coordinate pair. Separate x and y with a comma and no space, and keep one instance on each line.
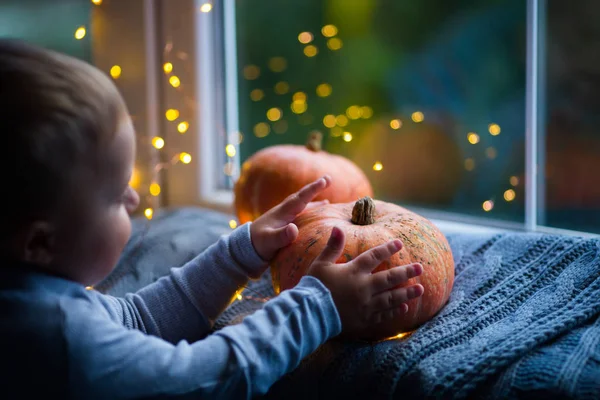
(523,321)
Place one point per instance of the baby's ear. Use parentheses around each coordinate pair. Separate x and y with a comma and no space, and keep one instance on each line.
(36,244)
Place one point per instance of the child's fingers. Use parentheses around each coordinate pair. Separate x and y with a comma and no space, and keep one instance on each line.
(388,279)
(315,204)
(388,315)
(370,259)
(394,298)
(297,202)
(283,236)
(333,249)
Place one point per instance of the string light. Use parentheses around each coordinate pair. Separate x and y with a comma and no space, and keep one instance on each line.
(299,106)
(89,288)
(230,150)
(185,158)
(172,114)
(282,87)
(183,127)
(311,50)
(149,212)
(509,195)
(257,95)
(366,111)
(305,37)
(329,30)
(115,71)
(299,96)
(168,67)
(473,138)
(174,81)
(329,121)
(158,142)
(494,129)
(251,72)
(280,126)
(336,131)
(97,2)
(277,64)
(353,112)
(324,90)
(341,120)
(469,164)
(334,43)
(154,189)
(396,124)
(233,224)
(417,116)
(487,205)
(134,180)
(347,137)
(274,114)
(80,33)
(514,180)
(378,166)
(491,153)
(206,7)
(261,129)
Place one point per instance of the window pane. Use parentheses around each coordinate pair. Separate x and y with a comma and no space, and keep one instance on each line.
(432,93)
(572,69)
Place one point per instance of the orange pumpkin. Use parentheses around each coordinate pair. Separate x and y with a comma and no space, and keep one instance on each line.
(273,173)
(418,162)
(369,223)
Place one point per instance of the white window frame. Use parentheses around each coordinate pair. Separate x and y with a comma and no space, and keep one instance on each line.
(211,193)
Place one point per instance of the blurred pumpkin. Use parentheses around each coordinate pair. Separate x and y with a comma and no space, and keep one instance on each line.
(275,172)
(414,163)
(368,223)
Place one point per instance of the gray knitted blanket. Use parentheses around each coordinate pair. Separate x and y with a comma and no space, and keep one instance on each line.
(523,321)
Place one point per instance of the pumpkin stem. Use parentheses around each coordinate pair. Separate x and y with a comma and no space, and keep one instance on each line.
(363,212)
(315,141)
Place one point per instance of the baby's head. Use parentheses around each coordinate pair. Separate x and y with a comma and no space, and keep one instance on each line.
(69,151)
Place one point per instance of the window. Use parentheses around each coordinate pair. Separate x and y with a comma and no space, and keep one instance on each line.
(446,106)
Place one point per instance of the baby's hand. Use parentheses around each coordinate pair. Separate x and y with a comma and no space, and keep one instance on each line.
(361,297)
(274,229)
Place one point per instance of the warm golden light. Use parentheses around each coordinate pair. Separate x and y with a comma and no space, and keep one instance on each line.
(206,7)
(329,30)
(280,126)
(183,127)
(509,195)
(134,180)
(347,137)
(305,37)
(80,33)
(334,43)
(310,50)
(172,114)
(417,116)
(494,129)
(232,224)
(473,138)
(341,120)
(89,288)
(469,164)
(336,131)
(491,153)
(299,106)
(251,72)
(115,71)
(324,90)
(261,129)
(185,158)
(154,189)
(354,112)
(174,81)
(377,166)
(97,2)
(299,96)
(514,180)
(367,112)
(282,87)
(274,114)
(230,150)
(395,124)
(167,67)
(329,121)
(277,64)
(158,142)
(148,212)
(487,205)
(257,95)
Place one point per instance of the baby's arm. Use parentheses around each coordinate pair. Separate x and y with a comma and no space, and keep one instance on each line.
(185,303)
(237,362)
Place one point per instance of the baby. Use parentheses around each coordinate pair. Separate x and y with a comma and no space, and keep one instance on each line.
(69,153)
